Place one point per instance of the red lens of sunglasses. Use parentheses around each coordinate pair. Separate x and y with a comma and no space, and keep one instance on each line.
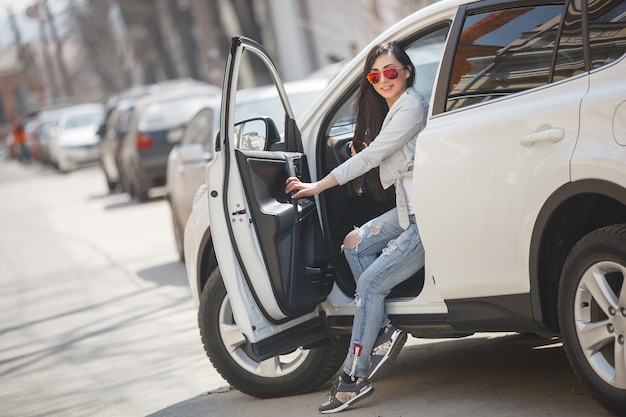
(390,73)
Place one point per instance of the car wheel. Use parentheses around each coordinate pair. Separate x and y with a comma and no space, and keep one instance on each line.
(592,314)
(63,167)
(138,190)
(125,181)
(294,373)
(111,185)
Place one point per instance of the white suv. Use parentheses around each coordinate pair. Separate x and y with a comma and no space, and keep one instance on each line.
(519,185)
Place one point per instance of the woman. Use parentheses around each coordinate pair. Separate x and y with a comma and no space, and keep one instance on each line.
(386,250)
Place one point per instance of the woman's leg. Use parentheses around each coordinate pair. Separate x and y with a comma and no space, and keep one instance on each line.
(399,260)
(362,245)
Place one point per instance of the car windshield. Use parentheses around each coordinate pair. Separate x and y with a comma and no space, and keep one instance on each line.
(83,120)
(171,113)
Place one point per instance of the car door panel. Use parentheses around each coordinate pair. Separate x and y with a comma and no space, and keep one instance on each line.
(274,272)
(499,142)
(285,230)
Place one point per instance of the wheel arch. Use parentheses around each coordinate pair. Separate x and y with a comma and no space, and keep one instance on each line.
(571,212)
(206,261)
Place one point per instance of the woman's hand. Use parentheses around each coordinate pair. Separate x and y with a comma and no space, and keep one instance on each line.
(300,189)
(305,189)
(353,150)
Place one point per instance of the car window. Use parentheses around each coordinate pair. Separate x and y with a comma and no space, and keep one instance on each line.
(570,57)
(503,51)
(425,53)
(607,31)
(83,120)
(200,129)
(166,114)
(265,102)
(121,120)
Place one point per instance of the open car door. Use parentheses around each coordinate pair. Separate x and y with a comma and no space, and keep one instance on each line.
(268,245)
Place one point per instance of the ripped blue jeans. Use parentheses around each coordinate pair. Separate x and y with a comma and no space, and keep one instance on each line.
(384,256)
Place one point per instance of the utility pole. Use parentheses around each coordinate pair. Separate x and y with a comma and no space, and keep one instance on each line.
(14,27)
(53,83)
(67,84)
(21,100)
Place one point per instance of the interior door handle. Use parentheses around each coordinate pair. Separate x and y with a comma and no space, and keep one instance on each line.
(552,135)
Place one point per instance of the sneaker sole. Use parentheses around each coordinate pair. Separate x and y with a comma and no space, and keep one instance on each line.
(364,394)
(392,354)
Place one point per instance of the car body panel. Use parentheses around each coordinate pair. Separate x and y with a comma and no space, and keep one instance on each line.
(482,151)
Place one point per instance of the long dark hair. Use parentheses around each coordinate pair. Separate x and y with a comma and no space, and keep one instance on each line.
(369,112)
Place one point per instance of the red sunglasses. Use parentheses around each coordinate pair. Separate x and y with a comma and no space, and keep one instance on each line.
(390,73)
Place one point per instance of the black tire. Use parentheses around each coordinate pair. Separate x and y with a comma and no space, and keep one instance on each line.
(300,371)
(139,190)
(592,315)
(125,182)
(111,185)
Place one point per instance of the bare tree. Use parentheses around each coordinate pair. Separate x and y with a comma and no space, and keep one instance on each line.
(184,22)
(142,20)
(91,23)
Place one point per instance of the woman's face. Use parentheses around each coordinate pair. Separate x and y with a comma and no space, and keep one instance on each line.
(390,89)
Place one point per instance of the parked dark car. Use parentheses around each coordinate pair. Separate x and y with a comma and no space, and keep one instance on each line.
(111,135)
(119,111)
(155,126)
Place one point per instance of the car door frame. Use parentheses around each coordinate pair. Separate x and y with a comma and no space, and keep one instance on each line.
(269,326)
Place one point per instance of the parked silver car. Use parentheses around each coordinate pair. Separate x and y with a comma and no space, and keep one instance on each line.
(73,142)
(45,126)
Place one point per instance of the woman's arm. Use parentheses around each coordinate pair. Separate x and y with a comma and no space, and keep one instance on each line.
(305,189)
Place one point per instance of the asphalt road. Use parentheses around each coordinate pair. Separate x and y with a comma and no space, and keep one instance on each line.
(96,319)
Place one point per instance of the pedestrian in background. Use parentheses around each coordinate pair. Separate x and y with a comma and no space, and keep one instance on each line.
(19,137)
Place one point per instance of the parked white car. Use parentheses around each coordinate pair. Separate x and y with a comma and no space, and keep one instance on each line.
(74,142)
(520,191)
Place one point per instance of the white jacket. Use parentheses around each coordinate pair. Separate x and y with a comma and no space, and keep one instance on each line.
(393,150)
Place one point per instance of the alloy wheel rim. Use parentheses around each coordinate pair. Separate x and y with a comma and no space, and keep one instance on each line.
(237,347)
(600,321)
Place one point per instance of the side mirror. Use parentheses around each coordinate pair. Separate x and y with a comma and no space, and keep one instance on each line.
(256,134)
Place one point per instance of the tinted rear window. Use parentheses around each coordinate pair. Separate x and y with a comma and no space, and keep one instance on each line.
(171,113)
